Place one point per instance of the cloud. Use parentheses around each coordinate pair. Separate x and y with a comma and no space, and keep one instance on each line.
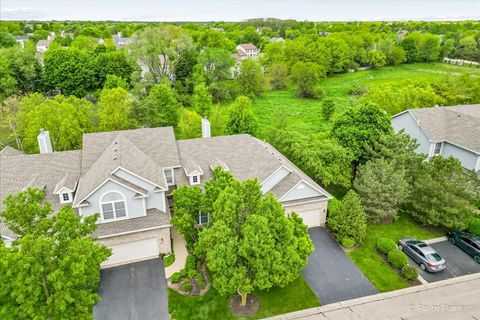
(22,14)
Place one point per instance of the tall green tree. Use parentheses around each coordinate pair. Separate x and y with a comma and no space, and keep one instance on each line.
(159,49)
(444,195)
(383,188)
(359,127)
(115,110)
(347,217)
(241,118)
(251,79)
(306,76)
(202,99)
(278,75)
(189,124)
(52,271)
(66,118)
(188,204)
(252,244)
(159,108)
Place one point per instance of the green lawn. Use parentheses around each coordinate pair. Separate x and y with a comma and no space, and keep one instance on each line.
(168,260)
(372,265)
(304,114)
(212,305)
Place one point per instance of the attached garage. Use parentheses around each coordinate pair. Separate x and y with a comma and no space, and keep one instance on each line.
(313,213)
(132,252)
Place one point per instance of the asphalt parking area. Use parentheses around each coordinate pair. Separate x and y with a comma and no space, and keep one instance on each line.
(331,275)
(134,291)
(459,263)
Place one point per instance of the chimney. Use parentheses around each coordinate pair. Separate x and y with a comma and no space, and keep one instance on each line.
(206,128)
(44,142)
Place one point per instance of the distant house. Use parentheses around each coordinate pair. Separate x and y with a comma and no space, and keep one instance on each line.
(120,41)
(247,51)
(100,41)
(401,34)
(446,131)
(64,34)
(276,39)
(323,33)
(128,177)
(42,45)
(21,39)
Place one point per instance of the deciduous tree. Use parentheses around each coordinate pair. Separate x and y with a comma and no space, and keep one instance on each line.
(115,110)
(241,118)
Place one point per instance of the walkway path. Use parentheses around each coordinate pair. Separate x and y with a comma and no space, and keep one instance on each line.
(456,298)
(180,250)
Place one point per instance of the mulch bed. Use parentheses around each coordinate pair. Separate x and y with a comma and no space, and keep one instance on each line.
(411,283)
(196,291)
(251,308)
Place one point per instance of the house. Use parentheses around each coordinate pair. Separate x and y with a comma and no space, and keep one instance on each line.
(128,176)
(276,39)
(21,39)
(446,131)
(42,45)
(247,51)
(401,34)
(324,33)
(120,41)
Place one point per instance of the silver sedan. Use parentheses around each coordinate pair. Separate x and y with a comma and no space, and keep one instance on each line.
(423,254)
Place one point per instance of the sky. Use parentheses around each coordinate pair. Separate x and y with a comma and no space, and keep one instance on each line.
(238,10)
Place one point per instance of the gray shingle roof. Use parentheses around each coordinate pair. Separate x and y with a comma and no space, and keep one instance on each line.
(154,218)
(37,170)
(9,151)
(459,125)
(245,156)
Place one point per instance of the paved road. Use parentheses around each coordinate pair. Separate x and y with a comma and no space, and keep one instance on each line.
(136,291)
(459,263)
(331,274)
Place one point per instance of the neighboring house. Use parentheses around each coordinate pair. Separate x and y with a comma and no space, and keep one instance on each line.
(21,39)
(276,39)
(401,34)
(446,131)
(120,41)
(42,45)
(323,33)
(247,51)
(128,176)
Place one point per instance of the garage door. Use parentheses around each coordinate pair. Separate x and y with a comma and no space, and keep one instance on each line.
(132,252)
(313,213)
(311,218)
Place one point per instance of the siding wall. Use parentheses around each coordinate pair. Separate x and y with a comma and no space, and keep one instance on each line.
(409,124)
(467,158)
(135,207)
(301,191)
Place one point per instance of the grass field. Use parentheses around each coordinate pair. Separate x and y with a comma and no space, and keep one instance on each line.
(212,305)
(304,114)
(372,265)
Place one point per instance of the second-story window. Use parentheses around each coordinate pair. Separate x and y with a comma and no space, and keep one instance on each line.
(113,206)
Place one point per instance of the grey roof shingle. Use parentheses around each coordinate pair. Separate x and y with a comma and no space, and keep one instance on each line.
(154,218)
(9,151)
(38,170)
(459,125)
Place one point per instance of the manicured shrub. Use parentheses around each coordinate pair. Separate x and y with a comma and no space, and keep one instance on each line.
(397,258)
(347,242)
(474,227)
(409,272)
(191,266)
(177,276)
(200,280)
(187,286)
(386,245)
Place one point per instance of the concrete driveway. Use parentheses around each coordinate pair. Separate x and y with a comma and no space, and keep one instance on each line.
(459,263)
(331,274)
(134,291)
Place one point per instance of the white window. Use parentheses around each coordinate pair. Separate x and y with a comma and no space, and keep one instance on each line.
(195,179)
(203,218)
(113,206)
(65,197)
(169,177)
(437,148)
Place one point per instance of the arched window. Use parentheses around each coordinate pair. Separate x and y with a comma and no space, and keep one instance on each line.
(113,206)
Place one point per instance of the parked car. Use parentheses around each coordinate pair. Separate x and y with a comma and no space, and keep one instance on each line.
(466,241)
(423,254)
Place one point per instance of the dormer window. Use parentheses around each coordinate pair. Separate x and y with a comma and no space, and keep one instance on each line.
(195,180)
(66,197)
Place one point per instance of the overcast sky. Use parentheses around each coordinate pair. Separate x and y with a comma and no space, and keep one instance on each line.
(236,10)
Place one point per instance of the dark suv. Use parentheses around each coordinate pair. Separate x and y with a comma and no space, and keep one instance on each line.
(466,241)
